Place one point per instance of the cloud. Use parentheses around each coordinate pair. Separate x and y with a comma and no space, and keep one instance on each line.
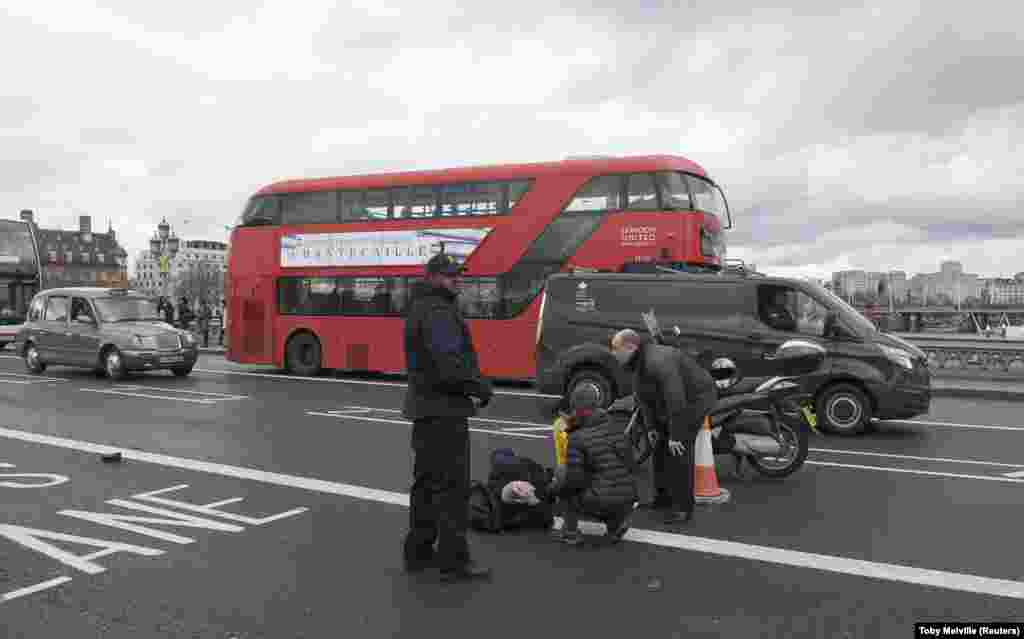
(844,134)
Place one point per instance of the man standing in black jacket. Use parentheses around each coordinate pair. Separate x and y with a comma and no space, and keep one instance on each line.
(445,389)
(675,394)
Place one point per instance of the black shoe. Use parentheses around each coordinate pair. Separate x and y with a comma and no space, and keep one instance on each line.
(661,502)
(618,529)
(468,571)
(413,566)
(679,517)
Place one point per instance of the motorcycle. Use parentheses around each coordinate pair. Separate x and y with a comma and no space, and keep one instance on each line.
(767,425)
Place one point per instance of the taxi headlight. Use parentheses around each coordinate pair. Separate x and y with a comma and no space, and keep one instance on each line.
(188,338)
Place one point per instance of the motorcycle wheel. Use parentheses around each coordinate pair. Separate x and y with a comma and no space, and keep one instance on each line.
(643,440)
(777,468)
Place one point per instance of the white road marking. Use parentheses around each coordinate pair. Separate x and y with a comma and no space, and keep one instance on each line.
(218,396)
(408,423)
(954,425)
(367,409)
(32,377)
(914,457)
(1015,475)
(31,590)
(911,471)
(147,396)
(357,382)
(961,582)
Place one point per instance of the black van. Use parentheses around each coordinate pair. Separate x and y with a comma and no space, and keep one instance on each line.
(743,317)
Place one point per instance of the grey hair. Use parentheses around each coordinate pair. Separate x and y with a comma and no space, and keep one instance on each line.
(627,336)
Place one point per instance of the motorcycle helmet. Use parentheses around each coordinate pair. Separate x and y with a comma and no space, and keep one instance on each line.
(725,373)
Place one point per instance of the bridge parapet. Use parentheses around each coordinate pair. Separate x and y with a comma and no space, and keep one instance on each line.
(994,360)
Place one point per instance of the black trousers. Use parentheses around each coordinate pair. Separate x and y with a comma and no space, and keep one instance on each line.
(673,476)
(439,499)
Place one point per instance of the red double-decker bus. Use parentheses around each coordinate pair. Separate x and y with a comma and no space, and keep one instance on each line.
(320,270)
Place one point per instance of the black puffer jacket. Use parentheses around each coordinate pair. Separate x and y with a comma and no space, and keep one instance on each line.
(600,461)
(440,359)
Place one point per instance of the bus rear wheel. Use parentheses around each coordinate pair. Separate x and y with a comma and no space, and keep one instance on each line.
(302,355)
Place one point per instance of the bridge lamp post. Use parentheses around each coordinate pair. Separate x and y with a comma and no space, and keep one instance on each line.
(163,247)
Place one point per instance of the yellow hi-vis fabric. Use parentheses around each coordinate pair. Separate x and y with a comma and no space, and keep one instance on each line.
(561,441)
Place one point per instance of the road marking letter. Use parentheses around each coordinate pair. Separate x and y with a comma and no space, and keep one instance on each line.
(212,509)
(173,519)
(33,538)
(49,479)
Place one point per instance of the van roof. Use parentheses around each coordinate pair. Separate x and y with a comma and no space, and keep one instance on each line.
(681,276)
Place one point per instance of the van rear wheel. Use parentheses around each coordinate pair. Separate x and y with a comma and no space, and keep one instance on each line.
(596,380)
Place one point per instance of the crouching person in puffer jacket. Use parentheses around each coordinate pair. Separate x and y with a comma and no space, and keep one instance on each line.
(597,480)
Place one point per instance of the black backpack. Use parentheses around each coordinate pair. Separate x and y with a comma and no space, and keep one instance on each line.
(484,508)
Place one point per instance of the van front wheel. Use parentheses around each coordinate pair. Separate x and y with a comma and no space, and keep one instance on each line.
(596,380)
(843,409)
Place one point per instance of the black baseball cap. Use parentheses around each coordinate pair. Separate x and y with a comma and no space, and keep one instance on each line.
(443,264)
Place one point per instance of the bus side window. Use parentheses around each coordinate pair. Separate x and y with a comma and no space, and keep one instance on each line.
(317,207)
(643,196)
(599,194)
(516,191)
(414,202)
(400,294)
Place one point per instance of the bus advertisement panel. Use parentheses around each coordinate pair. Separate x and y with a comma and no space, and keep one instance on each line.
(320,270)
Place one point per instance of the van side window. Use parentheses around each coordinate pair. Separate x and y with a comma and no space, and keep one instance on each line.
(791,310)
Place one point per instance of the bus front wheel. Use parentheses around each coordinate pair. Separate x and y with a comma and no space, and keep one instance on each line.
(303,355)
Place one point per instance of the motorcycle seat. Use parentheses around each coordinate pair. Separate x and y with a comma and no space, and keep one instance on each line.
(761,401)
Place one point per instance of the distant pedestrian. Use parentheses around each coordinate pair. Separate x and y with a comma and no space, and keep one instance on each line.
(185,315)
(205,314)
(445,389)
(223,320)
(168,310)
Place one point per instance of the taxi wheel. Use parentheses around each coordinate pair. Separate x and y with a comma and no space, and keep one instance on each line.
(113,365)
(32,361)
(182,371)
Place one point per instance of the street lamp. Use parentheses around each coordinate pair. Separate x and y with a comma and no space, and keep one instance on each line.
(122,261)
(163,247)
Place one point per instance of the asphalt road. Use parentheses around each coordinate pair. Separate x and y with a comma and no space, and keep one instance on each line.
(251,504)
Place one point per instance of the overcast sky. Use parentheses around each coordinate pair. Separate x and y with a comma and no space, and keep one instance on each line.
(844,135)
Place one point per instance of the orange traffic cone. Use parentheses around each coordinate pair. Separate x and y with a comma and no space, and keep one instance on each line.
(705,482)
